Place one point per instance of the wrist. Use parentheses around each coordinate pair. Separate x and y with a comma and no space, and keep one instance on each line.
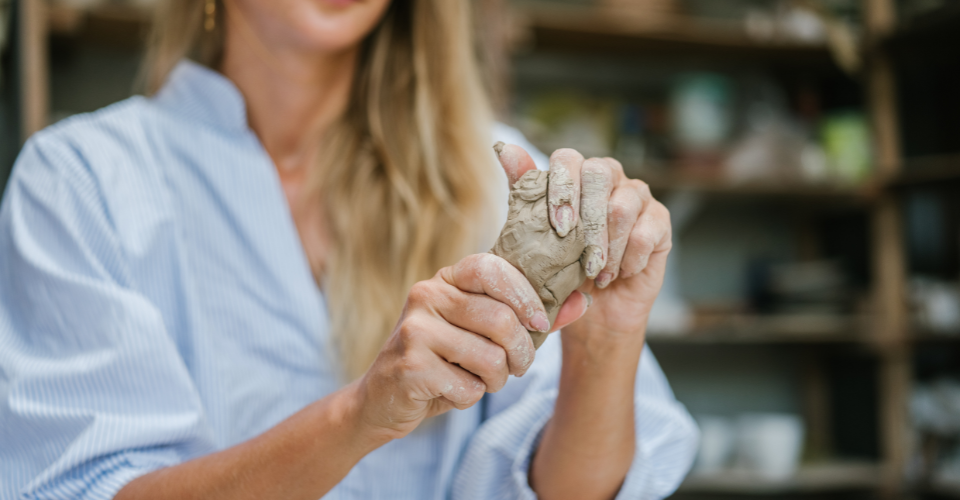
(596,342)
(350,417)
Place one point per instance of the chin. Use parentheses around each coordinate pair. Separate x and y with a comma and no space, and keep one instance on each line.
(336,25)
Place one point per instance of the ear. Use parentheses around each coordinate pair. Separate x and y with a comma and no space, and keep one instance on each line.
(514,160)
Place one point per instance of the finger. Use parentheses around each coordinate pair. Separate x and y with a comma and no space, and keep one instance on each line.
(458,386)
(563,190)
(491,275)
(514,160)
(651,235)
(623,211)
(617,169)
(573,308)
(478,355)
(494,320)
(597,183)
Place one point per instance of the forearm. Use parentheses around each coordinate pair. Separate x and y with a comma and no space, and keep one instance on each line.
(589,443)
(304,456)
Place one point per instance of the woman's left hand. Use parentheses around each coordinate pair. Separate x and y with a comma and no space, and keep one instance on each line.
(628,236)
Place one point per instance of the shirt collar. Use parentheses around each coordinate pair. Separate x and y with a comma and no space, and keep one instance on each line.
(202,94)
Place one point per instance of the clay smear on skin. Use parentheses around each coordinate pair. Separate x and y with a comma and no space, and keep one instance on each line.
(562,192)
(593,213)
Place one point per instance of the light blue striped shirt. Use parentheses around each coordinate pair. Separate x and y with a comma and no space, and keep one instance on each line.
(156,305)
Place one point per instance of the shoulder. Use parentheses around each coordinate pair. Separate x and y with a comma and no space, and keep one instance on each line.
(113,133)
(106,159)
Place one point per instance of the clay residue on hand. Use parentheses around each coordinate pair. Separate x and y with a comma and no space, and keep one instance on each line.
(550,262)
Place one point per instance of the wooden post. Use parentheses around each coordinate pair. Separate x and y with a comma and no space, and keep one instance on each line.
(882,92)
(34,66)
(493,31)
(889,259)
(894,347)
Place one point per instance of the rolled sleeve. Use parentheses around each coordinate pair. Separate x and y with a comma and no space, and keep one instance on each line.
(93,390)
(497,461)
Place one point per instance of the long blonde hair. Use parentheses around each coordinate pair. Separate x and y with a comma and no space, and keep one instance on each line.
(405,174)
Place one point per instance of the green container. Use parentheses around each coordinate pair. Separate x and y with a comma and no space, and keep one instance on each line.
(846,141)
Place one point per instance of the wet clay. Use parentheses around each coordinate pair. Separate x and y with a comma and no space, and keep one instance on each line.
(550,262)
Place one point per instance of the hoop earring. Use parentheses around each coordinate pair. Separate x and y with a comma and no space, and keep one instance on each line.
(210,15)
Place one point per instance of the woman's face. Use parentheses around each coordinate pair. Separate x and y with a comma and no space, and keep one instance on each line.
(327,26)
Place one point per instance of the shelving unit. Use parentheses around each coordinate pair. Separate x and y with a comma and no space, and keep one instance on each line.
(572,28)
(886,333)
(771,329)
(787,192)
(809,479)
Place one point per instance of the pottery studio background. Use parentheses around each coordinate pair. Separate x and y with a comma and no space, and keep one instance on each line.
(809,152)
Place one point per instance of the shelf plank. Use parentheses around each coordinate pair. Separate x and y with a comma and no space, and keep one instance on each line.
(809,479)
(779,190)
(772,329)
(110,23)
(572,28)
(944,489)
(928,170)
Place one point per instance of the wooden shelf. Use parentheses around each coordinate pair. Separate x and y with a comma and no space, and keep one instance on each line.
(809,479)
(110,23)
(943,489)
(928,170)
(935,33)
(931,337)
(772,329)
(775,190)
(592,29)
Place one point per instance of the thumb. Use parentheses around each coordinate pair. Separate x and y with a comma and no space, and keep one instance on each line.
(514,160)
(572,309)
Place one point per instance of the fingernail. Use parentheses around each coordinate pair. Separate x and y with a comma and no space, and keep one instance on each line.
(589,299)
(540,322)
(593,261)
(564,220)
(498,147)
(603,279)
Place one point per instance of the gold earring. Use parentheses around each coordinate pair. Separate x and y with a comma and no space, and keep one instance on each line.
(210,18)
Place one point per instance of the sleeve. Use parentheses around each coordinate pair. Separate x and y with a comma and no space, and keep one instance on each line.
(93,390)
(497,459)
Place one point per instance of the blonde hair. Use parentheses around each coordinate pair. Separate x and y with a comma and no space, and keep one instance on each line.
(405,174)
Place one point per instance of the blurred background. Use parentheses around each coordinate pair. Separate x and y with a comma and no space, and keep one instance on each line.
(809,152)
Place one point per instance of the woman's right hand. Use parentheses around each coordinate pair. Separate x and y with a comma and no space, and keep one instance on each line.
(461,334)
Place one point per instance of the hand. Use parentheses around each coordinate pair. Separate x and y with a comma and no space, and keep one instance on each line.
(461,334)
(627,231)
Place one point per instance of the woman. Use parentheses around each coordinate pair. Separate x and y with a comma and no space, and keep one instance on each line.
(201,289)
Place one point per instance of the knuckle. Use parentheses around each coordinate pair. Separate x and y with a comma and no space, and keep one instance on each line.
(409,364)
(642,241)
(488,265)
(614,165)
(618,211)
(494,360)
(595,166)
(566,154)
(503,319)
(475,390)
(643,189)
(411,330)
(420,292)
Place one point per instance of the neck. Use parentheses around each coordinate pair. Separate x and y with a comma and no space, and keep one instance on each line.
(292,96)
